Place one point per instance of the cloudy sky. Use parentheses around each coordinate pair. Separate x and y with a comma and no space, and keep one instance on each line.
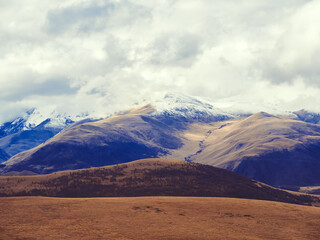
(101,55)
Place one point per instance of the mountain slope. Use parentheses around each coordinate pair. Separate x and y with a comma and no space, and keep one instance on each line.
(148,177)
(3,156)
(124,137)
(273,150)
(25,140)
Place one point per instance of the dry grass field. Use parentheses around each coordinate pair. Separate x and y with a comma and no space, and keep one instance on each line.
(155,218)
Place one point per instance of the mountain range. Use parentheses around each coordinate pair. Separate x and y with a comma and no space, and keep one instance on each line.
(280,150)
(36,126)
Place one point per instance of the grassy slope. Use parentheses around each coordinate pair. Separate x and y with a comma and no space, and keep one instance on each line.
(155,218)
(148,177)
(273,150)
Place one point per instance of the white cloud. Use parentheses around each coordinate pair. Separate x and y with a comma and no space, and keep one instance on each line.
(107,54)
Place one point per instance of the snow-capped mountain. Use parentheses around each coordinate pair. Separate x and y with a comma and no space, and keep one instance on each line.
(184,107)
(173,105)
(32,128)
(39,118)
(164,128)
(36,126)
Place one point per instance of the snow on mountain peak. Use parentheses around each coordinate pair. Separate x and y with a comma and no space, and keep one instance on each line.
(50,117)
(47,117)
(180,105)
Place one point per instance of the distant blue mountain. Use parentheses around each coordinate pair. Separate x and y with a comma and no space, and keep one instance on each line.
(31,129)
(306,116)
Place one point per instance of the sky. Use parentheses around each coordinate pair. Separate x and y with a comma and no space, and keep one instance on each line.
(103,55)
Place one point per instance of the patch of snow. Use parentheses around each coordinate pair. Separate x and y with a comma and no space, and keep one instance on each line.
(180,105)
(47,117)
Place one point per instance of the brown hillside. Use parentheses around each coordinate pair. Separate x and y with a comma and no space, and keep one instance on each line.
(254,136)
(277,151)
(148,177)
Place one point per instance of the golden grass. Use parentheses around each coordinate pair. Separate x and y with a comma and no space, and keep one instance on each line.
(155,218)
